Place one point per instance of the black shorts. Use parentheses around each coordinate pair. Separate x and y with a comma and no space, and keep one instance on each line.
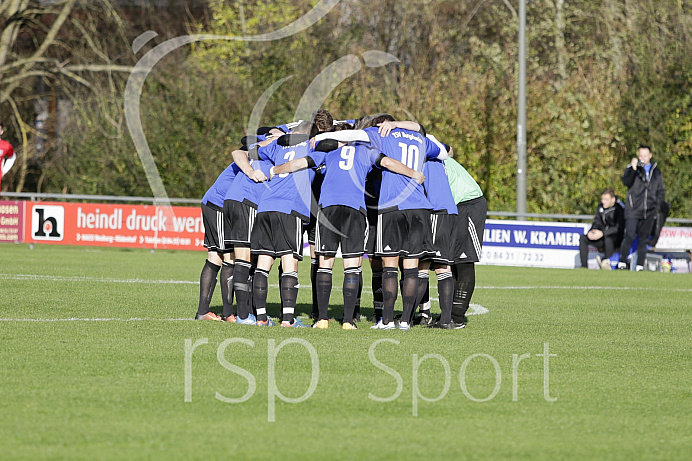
(240,218)
(277,234)
(406,233)
(213,220)
(444,237)
(341,225)
(470,228)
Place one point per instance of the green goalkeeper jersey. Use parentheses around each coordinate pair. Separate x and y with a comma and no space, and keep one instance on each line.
(464,187)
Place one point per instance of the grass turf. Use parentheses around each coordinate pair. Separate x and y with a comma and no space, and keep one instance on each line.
(116,389)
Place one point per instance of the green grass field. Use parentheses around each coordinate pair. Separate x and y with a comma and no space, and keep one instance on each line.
(96,389)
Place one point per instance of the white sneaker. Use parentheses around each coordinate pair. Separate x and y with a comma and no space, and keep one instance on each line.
(383,326)
(622,266)
(404,326)
(605,265)
(639,268)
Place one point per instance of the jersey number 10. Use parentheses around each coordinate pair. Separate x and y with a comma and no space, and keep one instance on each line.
(410,154)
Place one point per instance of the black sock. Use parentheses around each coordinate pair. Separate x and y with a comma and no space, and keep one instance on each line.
(227,288)
(356,311)
(409,288)
(314,266)
(463,290)
(323,282)
(241,276)
(351,277)
(389,292)
(251,301)
(289,289)
(207,283)
(281,293)
(377,293)
(259,293)
(421,289)
(445,290)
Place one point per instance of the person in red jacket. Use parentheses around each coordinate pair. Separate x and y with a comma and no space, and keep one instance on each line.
(7,156)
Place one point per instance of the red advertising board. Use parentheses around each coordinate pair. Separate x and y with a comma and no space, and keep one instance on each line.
(11,221)
(130,226)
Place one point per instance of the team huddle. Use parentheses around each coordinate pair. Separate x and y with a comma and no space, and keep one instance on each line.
(372,186)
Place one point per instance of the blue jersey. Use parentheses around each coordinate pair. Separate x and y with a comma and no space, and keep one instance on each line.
(346,169)
(437,187)
(247,191)
(399,192)
(217,192)
(287,193)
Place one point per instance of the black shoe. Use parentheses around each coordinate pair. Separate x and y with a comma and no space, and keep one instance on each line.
(423,318)
(449,326)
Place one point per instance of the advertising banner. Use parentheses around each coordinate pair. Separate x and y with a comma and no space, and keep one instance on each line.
(129,226)
(532,244)
(11,221)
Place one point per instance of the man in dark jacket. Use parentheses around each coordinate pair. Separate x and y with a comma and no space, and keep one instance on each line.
(644,200)
(607,229)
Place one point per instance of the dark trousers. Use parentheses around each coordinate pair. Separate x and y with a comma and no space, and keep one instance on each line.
(608,244)
(641,228)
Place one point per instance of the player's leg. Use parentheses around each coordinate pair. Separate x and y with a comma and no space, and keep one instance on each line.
(226,281)
(352,277)
(390,289)
(423,288)
(417,244)
(262,246)
(260,285)
(289,289)
(445,290)
(376,268)
(241,282)
(323,280)
(212,218)
(288,241)
(391,229)
(207,283)
(465,283)
(409,289)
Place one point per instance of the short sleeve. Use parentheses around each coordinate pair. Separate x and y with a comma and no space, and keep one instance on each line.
(432,150)
(375,138)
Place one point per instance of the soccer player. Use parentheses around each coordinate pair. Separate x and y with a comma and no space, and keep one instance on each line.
(219,257)
(444,221)
(7,156)
(403,221)
(278,229)
(342,217)
(472,210)
(240,209)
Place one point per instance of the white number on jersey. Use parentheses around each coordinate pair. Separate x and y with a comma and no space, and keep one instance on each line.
(347,153)
(410,155)
(288,156)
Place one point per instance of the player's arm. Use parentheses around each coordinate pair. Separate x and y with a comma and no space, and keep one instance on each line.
(385,128)
(240,157)
(396,166)
(291,167)
(344,136)
(432,150)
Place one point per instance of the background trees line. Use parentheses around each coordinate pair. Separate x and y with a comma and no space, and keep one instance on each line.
(603,77)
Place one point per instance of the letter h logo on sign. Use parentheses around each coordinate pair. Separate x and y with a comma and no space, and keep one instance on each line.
(47,222)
